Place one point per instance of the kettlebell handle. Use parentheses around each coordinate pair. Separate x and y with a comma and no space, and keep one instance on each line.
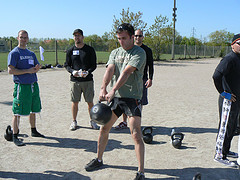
(108,103)
(177,134)
(8,129)
(145,129)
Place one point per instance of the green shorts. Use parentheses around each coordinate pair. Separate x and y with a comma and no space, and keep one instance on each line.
(78,88)
(26,99)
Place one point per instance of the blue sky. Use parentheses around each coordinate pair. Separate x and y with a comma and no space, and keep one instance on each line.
(58,18)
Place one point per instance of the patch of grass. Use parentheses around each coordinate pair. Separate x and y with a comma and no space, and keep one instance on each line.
(50,58)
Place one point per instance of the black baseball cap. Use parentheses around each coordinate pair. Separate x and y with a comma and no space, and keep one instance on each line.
(78,31)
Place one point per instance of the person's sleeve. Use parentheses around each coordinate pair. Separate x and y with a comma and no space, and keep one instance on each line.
(138,60)
(150,62)
(12,59)
(93,61)
(68,62)
(223,68)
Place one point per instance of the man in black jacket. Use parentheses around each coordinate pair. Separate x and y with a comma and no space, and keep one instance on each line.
(80,63)
(227,82)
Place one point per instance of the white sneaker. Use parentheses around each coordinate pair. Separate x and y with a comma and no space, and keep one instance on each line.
(73,126)
(94,125)
(226,162)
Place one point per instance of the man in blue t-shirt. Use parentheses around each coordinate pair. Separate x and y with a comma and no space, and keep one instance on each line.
(23,65)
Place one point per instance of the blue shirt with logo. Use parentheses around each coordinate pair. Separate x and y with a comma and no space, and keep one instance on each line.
(23,59)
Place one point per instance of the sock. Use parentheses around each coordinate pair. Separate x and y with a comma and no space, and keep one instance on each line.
(15,136)
(34,130)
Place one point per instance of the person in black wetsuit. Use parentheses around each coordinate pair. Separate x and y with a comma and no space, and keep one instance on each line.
(80,62)
(227,82)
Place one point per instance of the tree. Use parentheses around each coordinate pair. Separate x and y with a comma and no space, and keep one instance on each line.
(220,38)
(158,34)
(96,42)
(126,17)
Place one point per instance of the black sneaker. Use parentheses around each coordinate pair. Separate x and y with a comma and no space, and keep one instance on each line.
(232,154)
(139,176)
(18,142)
(93,165)
(37,134)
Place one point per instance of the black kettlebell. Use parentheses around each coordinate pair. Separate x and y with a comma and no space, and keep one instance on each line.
(177,138)
(147,136)
(101,113)
(8,134)
(197,176)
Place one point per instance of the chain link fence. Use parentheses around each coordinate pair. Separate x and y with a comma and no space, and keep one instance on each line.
(55,52)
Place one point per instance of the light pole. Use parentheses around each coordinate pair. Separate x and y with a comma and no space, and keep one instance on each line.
(174,20)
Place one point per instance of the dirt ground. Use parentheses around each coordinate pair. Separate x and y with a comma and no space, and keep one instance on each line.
(182,97)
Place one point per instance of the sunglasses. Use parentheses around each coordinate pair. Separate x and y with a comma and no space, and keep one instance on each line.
(138,35)
(238,43)
(122,27)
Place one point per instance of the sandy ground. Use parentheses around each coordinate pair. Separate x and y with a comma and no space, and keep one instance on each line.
(182,97)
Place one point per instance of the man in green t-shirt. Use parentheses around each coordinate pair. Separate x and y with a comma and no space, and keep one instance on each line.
(124,73)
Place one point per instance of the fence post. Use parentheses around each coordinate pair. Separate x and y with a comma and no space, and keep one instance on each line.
(11,45)
(204,51)
(185,51)
(213,52)
(56,52)
(195,51)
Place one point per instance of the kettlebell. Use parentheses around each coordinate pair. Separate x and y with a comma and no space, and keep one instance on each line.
(8,134)
(101,113)
(177,138)
(147,136)
(197,176)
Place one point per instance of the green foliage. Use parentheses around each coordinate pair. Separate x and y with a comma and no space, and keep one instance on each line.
(97,42)
(158,34)
(192,41)
(219,38)
(126,17)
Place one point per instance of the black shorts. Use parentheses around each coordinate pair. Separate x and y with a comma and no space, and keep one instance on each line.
(128,106)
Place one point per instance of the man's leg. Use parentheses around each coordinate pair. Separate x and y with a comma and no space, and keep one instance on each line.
(32,120)
(135,128)
(90,105)
(103,136)
(15,124)
(124,118)
(102,143)
(74,110)
(93,124)
(73,125)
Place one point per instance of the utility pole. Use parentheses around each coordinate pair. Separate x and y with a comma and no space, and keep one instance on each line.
(174,20)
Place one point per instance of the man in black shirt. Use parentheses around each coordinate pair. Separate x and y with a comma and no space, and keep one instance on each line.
(147,78)
(80,63)
(227,82)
